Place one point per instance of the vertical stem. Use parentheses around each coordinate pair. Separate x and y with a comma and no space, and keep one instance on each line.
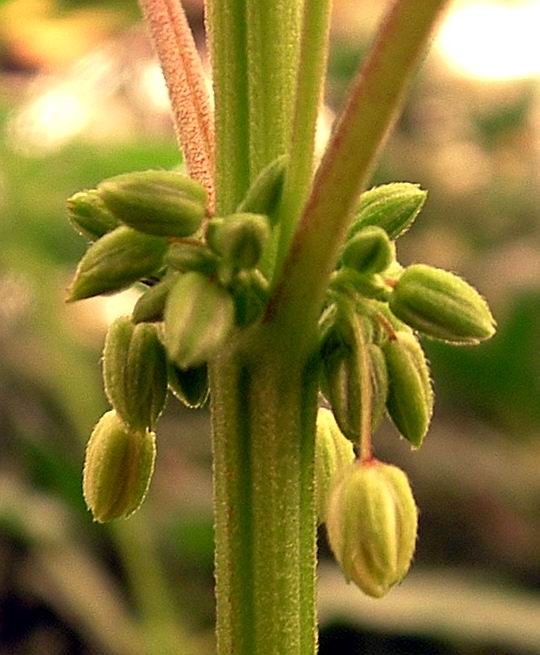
(263,424)
(273,37)
(309,91)
(226,27)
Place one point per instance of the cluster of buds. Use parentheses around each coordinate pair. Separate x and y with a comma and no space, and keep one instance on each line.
(372,364)
(199,280)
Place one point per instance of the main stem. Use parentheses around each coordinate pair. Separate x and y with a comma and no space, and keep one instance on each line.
(263,416)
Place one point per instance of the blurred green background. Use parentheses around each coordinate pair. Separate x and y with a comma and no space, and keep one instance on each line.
(81,99)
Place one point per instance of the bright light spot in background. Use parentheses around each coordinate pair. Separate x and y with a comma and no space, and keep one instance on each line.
(49,121)
(493,40)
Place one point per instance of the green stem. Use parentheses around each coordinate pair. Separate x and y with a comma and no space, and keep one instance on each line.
(370,113)
(309,91)
(226,24)
(263,424)
(273,38)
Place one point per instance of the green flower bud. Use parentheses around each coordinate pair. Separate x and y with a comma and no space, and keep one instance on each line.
(410,394)
(393,207)
(199,316)
(379,380)
(342,378)
(250,291)
(264,194)
(333,453)
(118,466)
(116,261)
(368,285)
(163,203)
(441,305)
(135,372)
(191,256)
(150,305)
(89,215)
(239,238)
(372,523)
(369,250)
(189,385)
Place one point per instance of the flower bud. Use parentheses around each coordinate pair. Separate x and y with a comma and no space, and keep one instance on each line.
(191,256)
(135,372)
(89,215)
(368,251)
(239,238)
(250,291)
(118,466)
(410,395)
(116,261)
(441,305)
(150,305)
(163,203)
(343,377)
(264,194)
(199,316)
(372,523)
(189,385)
(393,207)
(333,453)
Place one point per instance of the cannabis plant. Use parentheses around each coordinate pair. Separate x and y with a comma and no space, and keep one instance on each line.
(271,287)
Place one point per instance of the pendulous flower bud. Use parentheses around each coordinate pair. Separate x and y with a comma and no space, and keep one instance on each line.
(333,453)
(372,522)
(118,466)
(116,261)
(135,372)
(89,215)
(199,316)
(410,394)
(368,251)
(163,203)
(393,207)
(441,305)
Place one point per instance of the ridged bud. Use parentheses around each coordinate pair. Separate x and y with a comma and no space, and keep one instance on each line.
(343,377)
(116,261)
(368,251)
(410,394)
(239,238)
(118,466)
(333,453)
(189,256)
(264,194)
(163,203)
(135,372)
(190,385)
(372,523)
(150,305)
(199,316)
(393,207)
(89,215)
(441,305)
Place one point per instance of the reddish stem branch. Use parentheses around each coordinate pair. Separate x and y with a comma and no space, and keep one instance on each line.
(183,72)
